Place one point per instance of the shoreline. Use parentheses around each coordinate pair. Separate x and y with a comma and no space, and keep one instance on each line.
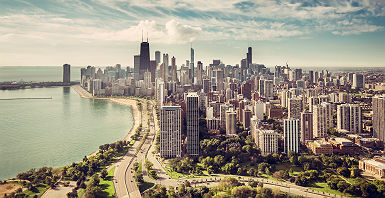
(122,101)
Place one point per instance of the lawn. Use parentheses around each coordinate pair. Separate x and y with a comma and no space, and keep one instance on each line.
(107,184)
(41,188)
(323,187)
(286,166)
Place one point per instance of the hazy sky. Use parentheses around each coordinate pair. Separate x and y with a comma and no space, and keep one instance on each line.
(107,32)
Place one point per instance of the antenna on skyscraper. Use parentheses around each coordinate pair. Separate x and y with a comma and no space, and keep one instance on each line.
(142,34)
(147,37)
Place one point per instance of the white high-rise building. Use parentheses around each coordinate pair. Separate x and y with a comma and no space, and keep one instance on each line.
(192,121)
(349,118)
(358,81)
(291,135)
(171,131)
(231,120)
(160,92)
(267,141)
(379,117)
(322,119)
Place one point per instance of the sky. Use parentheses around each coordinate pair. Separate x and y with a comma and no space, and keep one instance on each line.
(302,33)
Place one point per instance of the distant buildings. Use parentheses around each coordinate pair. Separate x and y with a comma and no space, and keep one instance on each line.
(66,73)
(144,59)
(170,131)
(320,147)
(192,120)
(379,117)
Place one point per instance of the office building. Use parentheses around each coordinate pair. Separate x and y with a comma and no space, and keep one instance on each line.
(157,57)
(136,67)
(144,58)
(66,73)
(349,118)
(192,65)
(192,121)
(171,131)
(291,135)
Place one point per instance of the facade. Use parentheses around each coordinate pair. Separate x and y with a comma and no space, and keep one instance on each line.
(306,126)
(343,146)
(231,120)
(349,118)
(320,147)
(358,81)
(136,67)
(144,59)
(379,117)
(375,166)
(291,135)
(295,108)
(171,131)
(322,119)
(268,141)
(192,121)
(66,73)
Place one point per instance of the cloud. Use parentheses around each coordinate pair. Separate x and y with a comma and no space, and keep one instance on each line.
(172,32)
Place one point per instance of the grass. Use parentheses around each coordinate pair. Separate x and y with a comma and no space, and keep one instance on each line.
(107,184)
(41,188)
(287,166)
(323,187)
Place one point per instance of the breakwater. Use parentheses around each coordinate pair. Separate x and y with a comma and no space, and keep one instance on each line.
(24,85)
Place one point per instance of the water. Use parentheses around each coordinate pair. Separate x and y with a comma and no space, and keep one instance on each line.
(36,73)
(55,132)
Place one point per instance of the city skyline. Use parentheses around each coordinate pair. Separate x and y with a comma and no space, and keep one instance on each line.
(331,33)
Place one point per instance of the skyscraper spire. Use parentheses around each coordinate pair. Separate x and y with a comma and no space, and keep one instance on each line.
(142,35)
(147,37)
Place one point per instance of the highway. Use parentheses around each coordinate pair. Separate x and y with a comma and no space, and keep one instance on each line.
(125,184)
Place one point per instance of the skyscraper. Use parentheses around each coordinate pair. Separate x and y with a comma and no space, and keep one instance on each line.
(231,119)
(349,117)
(295,108)
(199,73)
(358,81)
(306,126)
(192,65)
(170,131)
(249,58)
(291,135)
(173,69)
(136,67)
(165,67)
(379,117)
(66,73)
(322,119)
(157,57)
(192,121)
(144,58)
